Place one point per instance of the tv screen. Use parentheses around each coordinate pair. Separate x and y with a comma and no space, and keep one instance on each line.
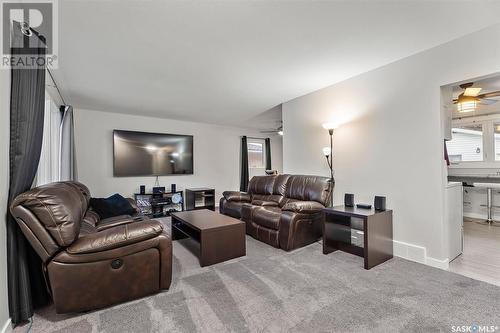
(151,154)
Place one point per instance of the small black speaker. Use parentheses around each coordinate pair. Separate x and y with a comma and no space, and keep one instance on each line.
(349,200)
(379,203)
(173,188)
(142,189)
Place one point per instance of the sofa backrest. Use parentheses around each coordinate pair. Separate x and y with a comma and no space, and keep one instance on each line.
(58,207)
(261,185)
(268,188)
(308,188)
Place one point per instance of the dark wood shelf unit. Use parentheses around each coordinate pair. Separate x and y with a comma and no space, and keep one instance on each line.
(200,198)
(363,232)
(158,204)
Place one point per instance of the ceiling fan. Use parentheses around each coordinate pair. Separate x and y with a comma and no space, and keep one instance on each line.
(468,100)
(277,130)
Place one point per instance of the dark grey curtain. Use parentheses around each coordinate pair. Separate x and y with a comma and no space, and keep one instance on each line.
(67,165)
(27,288)
(244,165)
(268,154)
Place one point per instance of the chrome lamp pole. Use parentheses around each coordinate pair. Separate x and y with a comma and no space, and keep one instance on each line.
(328,152)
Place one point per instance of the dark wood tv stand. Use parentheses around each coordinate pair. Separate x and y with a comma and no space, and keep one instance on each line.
(158,204)
(364,232)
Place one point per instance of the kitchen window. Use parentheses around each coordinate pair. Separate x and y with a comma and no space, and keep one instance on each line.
(475,142)
(496,128)
(466,144)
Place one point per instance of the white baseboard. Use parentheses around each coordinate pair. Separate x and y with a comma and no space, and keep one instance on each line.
(438,263)
(418,254)
(479,216)
(7,327)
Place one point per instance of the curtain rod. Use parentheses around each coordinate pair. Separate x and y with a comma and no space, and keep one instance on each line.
(55,85)
(26,31)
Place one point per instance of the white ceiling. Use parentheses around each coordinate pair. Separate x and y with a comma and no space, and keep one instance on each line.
(227,61)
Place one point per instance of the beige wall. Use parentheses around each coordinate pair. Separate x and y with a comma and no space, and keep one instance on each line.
(216,152)
(4,189)
(391,142)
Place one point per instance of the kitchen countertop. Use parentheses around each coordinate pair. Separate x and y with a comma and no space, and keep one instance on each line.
(475,178)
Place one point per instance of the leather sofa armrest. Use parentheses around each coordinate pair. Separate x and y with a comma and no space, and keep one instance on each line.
(236,196)
(115,221)
(264,203)
(246,212)
(116,237)
(133,204)
(304,207)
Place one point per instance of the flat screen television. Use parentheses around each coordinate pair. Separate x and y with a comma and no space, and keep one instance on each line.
(151,154)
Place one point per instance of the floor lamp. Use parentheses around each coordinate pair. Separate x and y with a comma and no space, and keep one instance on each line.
(328,152)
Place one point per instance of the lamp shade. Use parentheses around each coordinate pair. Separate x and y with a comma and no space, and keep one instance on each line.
(327,151)
(466,103)
(330,126)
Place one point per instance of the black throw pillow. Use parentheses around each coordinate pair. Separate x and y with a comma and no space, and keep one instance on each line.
(115,205)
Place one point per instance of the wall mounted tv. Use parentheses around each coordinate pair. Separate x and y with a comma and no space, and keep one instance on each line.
(151,154)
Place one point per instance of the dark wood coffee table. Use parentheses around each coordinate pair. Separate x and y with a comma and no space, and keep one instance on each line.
(220,237)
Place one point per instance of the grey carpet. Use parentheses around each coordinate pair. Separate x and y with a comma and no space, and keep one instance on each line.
(271,290)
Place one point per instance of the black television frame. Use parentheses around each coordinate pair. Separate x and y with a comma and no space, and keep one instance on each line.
(151,175)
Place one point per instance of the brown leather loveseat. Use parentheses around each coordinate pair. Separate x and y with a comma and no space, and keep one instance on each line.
(284,211)
(89,263)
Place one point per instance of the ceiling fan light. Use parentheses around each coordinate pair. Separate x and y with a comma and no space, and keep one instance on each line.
(467,106)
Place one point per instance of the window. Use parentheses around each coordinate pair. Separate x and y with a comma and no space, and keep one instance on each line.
(48,167)
(466,144)
(256,153)
(497,141)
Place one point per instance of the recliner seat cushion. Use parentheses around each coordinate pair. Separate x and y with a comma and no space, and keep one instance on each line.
(264,203)
(267,216)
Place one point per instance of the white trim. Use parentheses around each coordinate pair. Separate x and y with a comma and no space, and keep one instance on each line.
(479,216)
(442,264)
(409,251)
(418,254)
(7,327)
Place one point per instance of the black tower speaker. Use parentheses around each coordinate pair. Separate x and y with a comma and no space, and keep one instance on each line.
(173,188)
(349,200)
(379,203)
(142,189)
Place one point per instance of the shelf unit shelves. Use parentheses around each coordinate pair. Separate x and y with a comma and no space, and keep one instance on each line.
(158,204)
(200,198)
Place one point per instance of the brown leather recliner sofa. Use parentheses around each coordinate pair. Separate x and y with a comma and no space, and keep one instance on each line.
(284,211)
(91,263)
